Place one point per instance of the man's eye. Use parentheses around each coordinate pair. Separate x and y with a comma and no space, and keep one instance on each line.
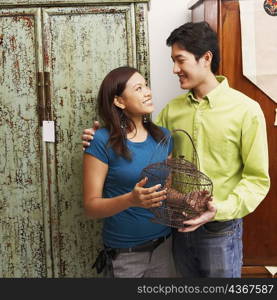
(138,88)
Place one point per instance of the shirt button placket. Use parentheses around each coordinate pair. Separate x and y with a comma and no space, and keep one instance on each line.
(196,126)
(198,138)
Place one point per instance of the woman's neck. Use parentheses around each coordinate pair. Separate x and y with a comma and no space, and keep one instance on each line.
(138,133)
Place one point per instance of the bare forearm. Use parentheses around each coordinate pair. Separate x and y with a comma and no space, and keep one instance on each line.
(98,207)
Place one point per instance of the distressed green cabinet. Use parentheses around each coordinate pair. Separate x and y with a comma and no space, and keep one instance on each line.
(53,57)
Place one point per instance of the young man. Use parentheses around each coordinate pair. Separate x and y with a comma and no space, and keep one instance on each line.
(229,132)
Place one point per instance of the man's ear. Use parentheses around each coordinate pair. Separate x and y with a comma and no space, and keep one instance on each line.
(207,57)
(118,101)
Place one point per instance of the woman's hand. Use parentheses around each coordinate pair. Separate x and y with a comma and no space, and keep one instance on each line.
(147,197)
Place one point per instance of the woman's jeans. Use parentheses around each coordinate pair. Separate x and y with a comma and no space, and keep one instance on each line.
(212,250)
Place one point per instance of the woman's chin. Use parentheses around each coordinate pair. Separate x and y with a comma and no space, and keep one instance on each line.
(149,109)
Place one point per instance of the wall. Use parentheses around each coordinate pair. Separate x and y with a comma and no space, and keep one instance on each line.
(164,17)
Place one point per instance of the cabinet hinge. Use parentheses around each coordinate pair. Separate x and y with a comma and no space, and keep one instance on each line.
(40,105)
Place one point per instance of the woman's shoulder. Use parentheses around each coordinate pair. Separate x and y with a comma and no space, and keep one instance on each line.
(165,130)
(102,134)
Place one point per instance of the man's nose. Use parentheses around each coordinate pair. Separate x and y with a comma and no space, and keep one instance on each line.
(176,68)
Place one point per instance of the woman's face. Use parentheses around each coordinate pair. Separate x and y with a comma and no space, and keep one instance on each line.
(136,97)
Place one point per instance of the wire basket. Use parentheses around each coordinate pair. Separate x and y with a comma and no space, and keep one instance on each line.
(188,189)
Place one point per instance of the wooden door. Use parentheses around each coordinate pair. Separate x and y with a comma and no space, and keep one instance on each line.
(52,63)
(260,239)
(24,241)
(81,45)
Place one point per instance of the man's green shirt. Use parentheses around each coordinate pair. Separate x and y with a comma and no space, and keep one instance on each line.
(229,132)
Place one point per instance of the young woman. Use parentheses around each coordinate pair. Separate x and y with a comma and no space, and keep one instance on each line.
(113,190)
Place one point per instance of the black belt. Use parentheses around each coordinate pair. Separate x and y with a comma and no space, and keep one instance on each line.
(148,246)
(105,257)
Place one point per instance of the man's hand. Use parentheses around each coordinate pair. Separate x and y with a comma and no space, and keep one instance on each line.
(201,220)
(88,134)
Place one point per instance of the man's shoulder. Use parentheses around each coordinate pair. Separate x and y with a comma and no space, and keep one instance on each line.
(239,98)
(177,100)
(174,105)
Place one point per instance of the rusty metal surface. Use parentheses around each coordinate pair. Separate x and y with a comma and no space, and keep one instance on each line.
(22,242)
(52,63)
(81,45)
(142,40)
(66,2)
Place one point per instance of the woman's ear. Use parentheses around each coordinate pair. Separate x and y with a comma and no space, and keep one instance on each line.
(118,101)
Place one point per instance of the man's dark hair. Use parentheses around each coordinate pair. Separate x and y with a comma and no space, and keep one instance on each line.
(196,38)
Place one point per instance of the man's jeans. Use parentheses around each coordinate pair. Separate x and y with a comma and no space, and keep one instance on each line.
(213,250)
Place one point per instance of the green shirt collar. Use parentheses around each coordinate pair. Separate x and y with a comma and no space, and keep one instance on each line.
(211,97)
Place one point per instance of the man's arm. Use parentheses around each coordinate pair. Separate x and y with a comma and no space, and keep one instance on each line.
(255,181)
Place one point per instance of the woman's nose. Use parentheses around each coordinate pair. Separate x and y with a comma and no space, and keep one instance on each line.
(148,91)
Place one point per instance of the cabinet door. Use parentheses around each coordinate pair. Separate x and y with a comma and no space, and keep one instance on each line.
(81,45)
(23,213)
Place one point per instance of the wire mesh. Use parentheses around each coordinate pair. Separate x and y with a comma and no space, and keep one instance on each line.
(188,189)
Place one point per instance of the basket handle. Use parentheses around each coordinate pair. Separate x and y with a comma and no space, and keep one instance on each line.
(195,158)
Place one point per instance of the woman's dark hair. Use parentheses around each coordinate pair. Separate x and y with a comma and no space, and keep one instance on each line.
(113,117)
(196,38)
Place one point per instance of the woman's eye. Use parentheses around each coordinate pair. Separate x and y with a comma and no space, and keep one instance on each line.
(138,88)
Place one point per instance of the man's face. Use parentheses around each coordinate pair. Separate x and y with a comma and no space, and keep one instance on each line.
(191,72)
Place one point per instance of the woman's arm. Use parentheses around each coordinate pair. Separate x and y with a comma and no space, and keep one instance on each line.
(94,174)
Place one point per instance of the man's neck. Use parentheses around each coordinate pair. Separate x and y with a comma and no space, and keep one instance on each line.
(205,87)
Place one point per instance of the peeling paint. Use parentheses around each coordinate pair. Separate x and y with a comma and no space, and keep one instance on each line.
(43,230)
(22,242)
(55,2)
(28,20)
